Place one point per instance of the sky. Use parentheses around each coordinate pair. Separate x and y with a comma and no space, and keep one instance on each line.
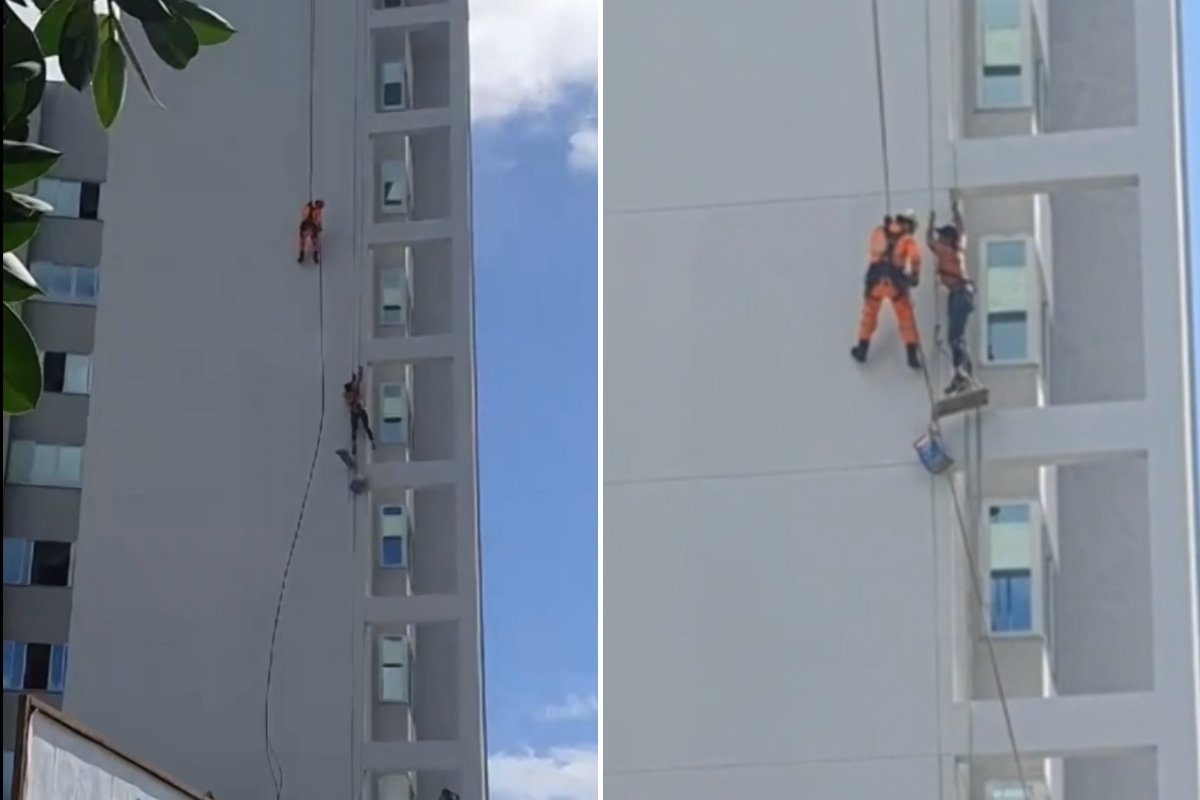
(1191,89)
(533,97)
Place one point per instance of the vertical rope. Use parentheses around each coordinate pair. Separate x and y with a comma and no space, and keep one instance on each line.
(934,425)
(273,760)
(883,130)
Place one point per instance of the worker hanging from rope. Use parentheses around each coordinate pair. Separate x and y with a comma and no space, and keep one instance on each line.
(895,269)
(352,395)
(311,225)
(949,244)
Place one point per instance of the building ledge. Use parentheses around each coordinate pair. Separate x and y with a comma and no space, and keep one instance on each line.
(410,474)
(411,609)
(385,233)
(1048,162)
(408,348)
(381,758)
(1088,726)
(410,16)
(417,119)
(1066,434)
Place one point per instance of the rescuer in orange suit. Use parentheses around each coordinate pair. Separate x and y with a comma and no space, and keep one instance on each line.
(895,269)
(311,221)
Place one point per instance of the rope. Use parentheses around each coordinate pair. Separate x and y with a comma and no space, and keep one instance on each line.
(883,131)
(273,761)
(935,425)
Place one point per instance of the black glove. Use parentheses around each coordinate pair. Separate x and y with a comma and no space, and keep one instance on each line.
(913,280)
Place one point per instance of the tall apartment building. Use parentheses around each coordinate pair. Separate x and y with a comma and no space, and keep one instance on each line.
(790,609)
(219,367)
(43,448)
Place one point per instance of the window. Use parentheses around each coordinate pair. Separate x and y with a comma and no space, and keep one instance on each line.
(1012,790)
(65,283)
(393,80)
(68,373)
(1010,543)
(393,533)
(391,3)
(75,199)
(394,673)
(14,666)
(393,297)
(397,191)
(28,563)
(1006,267)
(18,560)
(37,464)
(394,413)
(398,786)
(35,667)
(1004,44)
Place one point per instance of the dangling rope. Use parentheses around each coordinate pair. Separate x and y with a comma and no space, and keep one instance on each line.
(883,131)
(934,425)
(273,760)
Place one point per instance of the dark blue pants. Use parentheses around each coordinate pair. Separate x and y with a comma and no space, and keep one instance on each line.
(959,306)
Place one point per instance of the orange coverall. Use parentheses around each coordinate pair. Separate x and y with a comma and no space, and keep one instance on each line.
(885,282)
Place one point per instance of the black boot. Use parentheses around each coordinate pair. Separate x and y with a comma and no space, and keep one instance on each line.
(300,258)
(859,351)
(914,356)
(317,257)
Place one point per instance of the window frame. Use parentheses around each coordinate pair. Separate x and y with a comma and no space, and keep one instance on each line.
(1037,583)
(87,389)
(1033,309)
(14,659)
(405,536)
(56,482)
(385,664)
(1025,8)
(405,425)
(403,319)
(1037,789)
(24,557)
(75,271)
(405,84)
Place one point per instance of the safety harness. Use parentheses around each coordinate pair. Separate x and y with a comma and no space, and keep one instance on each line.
(885,268)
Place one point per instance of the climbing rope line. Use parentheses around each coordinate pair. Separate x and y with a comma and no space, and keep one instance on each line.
(935,426)
(937,590)
(273,760)
(883,131)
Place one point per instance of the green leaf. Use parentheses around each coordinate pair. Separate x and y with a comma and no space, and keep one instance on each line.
(18,132)
(127,46)
(22,367)
(25,163)
(209,26)
(108,89)
(20,220)
(20,47)
(146,10)
(79,45)
(50,25)
(174,41)
(19,283)
(14,98)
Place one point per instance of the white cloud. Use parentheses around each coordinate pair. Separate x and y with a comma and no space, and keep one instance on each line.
(584,148)
(561,773)
(574,707)
(527,54)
